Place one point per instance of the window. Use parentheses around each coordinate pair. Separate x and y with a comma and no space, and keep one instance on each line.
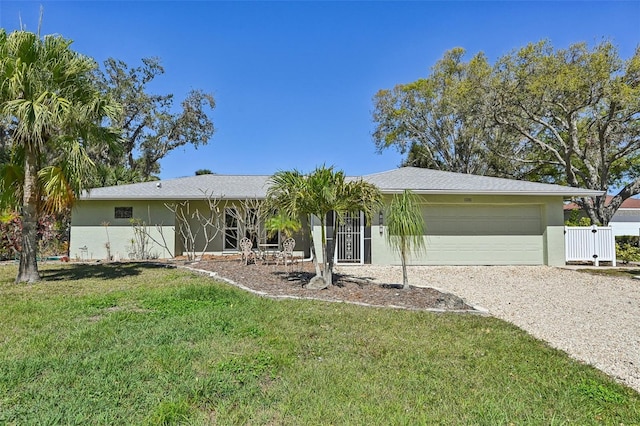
(231,230)
(123,213)
(274,236)
(252,225)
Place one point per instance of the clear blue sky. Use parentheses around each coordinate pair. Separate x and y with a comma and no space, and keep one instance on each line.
(294,81)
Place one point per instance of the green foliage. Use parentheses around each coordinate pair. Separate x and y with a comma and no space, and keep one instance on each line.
(53,111)
(600,392)
(405,228)
(10,235)
(282,223)
(142,344)
(438,121)
(627,252)
(200,172)
(576,218)
(405,221)
(151,124)
(634,240)
(628,248)
(52,117)
(565,116)
(317,194)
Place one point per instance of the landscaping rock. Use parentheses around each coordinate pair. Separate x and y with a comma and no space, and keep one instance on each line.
(317,283)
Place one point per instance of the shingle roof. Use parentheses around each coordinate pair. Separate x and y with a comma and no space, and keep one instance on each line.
(186,188)
(424,181)
(427,181)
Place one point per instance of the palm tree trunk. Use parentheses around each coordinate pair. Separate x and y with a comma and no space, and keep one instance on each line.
(330,254)
(28,270)
(313,248)
(403,257)
(405,278)
(328,264)
(314,257)
(323,235)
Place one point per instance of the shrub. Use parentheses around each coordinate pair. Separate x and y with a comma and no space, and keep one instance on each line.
(633,240)
(627,253)
(52,236)
(10,234)
(577,219)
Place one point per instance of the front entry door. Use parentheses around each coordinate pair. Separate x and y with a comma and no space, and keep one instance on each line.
(350,239)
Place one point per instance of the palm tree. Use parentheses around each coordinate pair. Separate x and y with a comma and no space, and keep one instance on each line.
(49,97)
(282,223)
(405,228)
(318,194)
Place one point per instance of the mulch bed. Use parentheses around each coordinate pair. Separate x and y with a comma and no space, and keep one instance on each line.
(275,281)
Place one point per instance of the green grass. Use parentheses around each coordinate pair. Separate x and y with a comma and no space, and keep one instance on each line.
(136,344)
(628,272)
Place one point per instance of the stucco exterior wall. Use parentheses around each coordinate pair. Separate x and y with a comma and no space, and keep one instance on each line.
(88,230)
(479,230)
(461,230)
(93,224)
(553,232)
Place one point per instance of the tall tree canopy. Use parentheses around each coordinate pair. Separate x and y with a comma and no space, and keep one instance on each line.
(51,110)
(578,112)
(443,121)
(151,125)
(568,116)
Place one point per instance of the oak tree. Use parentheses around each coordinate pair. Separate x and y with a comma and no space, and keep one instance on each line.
(577,110)
(566,116)
(152,125)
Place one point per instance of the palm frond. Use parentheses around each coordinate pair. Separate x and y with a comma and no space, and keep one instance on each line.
(11,180)
(405,224)
(55,188)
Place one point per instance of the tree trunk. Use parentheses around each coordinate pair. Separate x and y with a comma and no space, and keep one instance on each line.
(313,248)
(28,270)
(405,278)
(601,213)
(330,253)
(328,264)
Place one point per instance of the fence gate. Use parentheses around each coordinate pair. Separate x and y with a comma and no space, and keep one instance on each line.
(350,239)
(590,244)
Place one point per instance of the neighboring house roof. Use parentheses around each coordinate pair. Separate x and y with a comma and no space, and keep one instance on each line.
(422,181)
(629,203)
(427,181)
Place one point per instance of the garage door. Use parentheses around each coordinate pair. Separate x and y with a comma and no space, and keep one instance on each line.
(484,235)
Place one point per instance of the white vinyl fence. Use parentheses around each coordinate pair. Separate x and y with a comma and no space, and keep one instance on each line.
(590,244)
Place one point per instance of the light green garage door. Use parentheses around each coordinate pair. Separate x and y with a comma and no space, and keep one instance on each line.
(484,235)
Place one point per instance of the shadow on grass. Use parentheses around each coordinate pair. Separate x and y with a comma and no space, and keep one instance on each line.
(105,271)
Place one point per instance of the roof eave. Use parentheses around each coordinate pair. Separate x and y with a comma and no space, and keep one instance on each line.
(577,193)
(170,198)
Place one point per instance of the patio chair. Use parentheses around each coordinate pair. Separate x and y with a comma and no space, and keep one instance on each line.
(246,247)
(286,255)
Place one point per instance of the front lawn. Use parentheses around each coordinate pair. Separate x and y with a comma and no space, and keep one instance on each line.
(141,344)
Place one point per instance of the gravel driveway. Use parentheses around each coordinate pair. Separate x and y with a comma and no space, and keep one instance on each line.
(594,319)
